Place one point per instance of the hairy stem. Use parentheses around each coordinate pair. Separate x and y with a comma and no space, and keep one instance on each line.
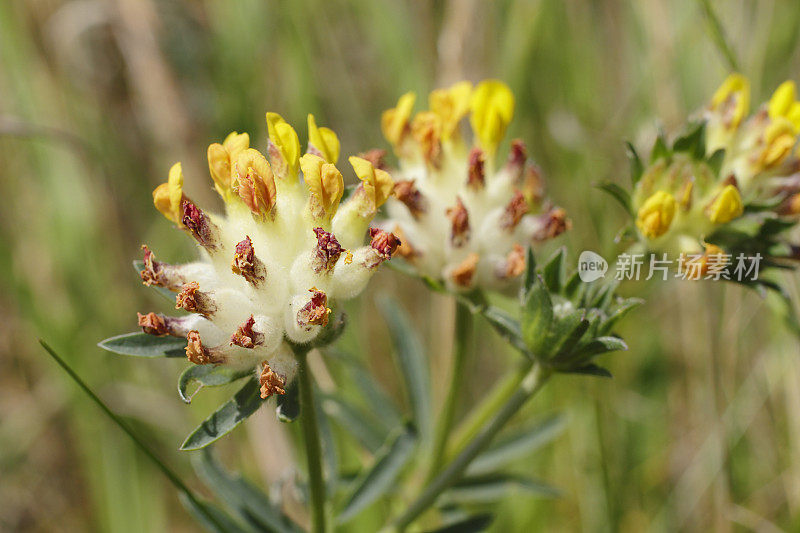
(308,419)
(530,385)
(480,415)
(460,340)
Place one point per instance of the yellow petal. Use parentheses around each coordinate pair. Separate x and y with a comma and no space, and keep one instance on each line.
(235,144)
(793,116)
(734,90)
(324,182)
(451,105)
(324,140)
(655,216)
(782,99)
(378,184)
(161,201)
(492,106)
(219,165)
(175,182)
(726,206)
(394,121)
(255,183)
(285,138)
(427,131)
(779,138)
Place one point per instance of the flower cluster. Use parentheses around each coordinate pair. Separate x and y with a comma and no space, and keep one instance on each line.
(282,253)
(463,220)
(730,184)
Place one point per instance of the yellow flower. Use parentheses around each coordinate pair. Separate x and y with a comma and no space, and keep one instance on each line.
(784,104)
(221,158)
(325,183)
(324,140)
(286,141)
(254,182)
(451,105)
(655,216)
(726,206)
(492,107)
(732,99)
(167,197)
(394,121)
(779,138)
(377,183)
(427,129)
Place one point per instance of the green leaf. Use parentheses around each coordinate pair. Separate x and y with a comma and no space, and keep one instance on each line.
(660,149)
(229,415)
(471,524)
(715,161)
(693,141)
(620,195)
(589,370)
(412,362)
(554,271)
(368,432)
(619,313)
(248,503)
(144,345)
(537,315)
(223,522)
(601,345)
(372,392)
(637,168)
(489,489)
(564,349)
(287,406)
(207,376)
(530,272)
(380,478)
(166,293)
(506,326)
(517,446)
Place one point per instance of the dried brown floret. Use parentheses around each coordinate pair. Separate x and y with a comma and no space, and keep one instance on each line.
(153,271)
(476,177)
(199,225)
(271,382)
(383,242)
(153,324)
(316,311)
(516,208)
(514,264)
(245,336)
(407,192)
(517,156)
(191,299)
(556,222)
(246,264)
(462,275)
(459,223)
(196,352)
(327,251)
(404,250)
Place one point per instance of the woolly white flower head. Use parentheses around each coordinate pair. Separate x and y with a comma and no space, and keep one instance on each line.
(462,219)
(272,265)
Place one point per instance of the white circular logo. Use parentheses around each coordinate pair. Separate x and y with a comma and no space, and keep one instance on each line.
(591,266)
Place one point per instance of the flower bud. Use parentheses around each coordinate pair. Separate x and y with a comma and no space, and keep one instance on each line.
(726,206)
(655,216)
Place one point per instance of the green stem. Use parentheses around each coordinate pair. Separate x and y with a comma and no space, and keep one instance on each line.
(308,419)
(488,407)
(718,34)
(150,454)
(530,385)
(460,341)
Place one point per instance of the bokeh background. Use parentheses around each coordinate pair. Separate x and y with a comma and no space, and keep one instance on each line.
(699,429)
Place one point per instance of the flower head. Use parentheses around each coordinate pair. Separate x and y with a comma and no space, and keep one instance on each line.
(273,266)
(460,216)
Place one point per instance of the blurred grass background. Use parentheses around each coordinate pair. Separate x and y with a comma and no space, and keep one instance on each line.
(700,429)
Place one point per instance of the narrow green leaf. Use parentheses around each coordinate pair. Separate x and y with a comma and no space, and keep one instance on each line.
(554,271)
(636,166)
(530,271)
(619,313)
(517,446)
(207,376)
(601,345)
(380,478)
(247,502)
(564,349)
(506,326)
(144,345)
(229,415)
(287,406)
(660,149)
(589,370)
(618,193)
(489,489)
(537,315)
(412,362)
(372,391)
(715,161)
(471,524)
(693,141)
(223,522)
